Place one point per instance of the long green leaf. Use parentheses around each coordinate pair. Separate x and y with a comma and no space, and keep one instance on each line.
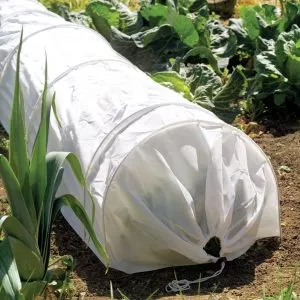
(9,276)
(251,23)
(46,221)
(55,161)
(15,229)
(18,152)
(159,14)
(184,27)
(154,14)
(38,167)
(30,265)
(77,208)
(14,193)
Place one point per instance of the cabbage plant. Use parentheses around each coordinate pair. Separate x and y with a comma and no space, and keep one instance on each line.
(287,50)
(277,66)
(31,184)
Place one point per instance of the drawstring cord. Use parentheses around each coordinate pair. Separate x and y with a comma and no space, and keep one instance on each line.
(184,284)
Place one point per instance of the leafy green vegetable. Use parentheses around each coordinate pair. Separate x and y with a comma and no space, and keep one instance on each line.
(104,10)
(155,14)
(183,32)
(151,49)
(204,76)
(264,20)
(251,23)
(159,14)
(277,70)
(174,81)
(129,22)
(104,15)
(287,50)
(71,16)
(200,7)
(232,90)
(206,53)
(204,83)
(223,42)
(201,85)
(185,29)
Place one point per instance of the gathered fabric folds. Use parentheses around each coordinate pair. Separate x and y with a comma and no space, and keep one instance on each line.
(166,175)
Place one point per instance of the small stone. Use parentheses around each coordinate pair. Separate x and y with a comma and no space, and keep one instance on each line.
(284,169)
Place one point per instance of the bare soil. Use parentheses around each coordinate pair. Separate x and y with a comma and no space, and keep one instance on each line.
(269,265)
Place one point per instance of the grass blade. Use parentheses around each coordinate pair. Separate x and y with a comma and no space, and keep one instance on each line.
(150,297)
(124,297)
(111,291)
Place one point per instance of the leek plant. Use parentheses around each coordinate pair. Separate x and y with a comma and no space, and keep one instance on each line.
(31,184)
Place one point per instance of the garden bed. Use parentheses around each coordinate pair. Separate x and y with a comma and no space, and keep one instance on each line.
(270,264)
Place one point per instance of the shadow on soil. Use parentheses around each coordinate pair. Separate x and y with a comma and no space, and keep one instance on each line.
(139,286)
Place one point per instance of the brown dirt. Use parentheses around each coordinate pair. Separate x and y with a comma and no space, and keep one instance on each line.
(268,265)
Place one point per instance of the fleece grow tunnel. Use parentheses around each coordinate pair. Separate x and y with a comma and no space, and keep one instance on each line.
(167,175)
